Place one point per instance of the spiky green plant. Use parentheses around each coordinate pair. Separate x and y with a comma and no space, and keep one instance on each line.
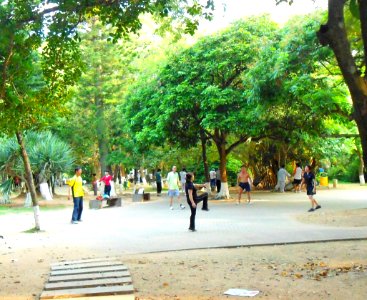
(48,155)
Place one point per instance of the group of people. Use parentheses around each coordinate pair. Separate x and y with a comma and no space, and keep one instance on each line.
(300,178)
(186,182)
(77,191)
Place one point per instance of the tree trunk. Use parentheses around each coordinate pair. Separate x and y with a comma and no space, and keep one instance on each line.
(362,180)
(224,190)
(205,159)
(29,179)
(101,135)
(334,34)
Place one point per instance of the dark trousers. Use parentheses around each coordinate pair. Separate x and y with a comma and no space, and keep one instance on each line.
(107,189)
(203,197)
(218,185)
(78,208)
(159,187)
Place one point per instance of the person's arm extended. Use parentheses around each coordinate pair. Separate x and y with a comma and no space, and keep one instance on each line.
(191,197)
(200,185)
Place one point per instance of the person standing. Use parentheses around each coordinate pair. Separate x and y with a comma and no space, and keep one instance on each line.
(297,178)
(158,180)
(173,187)
(193,199)
(107,183)
(183,179)
(218,180)
(76,187)
(282,176)
(243,180)
(213,179)
(310,180)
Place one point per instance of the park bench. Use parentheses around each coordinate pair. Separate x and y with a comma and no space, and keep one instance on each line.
(139,195)
(103,278)
(97,204)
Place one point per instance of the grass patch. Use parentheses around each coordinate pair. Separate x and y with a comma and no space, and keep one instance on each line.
(4,210)
(33,230)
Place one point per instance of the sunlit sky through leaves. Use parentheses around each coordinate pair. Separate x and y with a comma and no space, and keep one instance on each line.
(228,11)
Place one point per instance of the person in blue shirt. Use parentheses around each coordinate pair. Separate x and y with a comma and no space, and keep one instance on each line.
(310,181)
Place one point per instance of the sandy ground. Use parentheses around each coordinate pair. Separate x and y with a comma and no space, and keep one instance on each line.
(332,270)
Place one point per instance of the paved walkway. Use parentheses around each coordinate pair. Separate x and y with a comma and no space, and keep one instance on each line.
(151,226)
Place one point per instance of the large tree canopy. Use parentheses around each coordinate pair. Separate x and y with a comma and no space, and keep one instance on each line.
(347,37)
(40,58)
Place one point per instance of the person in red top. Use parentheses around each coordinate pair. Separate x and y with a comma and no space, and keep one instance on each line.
(107,183)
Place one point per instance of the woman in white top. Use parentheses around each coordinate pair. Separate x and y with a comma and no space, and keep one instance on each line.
(297,178)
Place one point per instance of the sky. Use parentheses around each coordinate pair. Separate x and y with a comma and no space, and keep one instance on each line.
(228,11)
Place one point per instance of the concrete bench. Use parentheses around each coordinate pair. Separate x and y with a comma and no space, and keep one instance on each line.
(95,204)
(114,202)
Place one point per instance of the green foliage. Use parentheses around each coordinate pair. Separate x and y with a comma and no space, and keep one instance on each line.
(48,155)
(198,94)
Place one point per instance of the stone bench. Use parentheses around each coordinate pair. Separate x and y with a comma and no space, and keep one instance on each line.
(114,202)
(95,204)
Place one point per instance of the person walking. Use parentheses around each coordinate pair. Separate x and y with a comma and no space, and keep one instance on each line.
(282,176)
(173,187)
(310,180)
(76,187)
(297,179)
(183,179)
(158,180)
(243,180)
(106,179)
(193,199)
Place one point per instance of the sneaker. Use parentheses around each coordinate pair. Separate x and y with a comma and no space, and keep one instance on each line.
(182,206)
(311,209)
(74,222)
(206,209)
(318,206)
(80,220)
(171,207)
(192,229)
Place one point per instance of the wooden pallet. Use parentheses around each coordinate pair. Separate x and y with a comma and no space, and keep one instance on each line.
(99,279)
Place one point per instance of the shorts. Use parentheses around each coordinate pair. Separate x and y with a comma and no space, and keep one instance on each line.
(173,193)
(311,191)
(297,181)
(245,186)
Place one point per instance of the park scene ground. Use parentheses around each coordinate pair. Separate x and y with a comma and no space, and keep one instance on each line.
(272,245)
(188,95)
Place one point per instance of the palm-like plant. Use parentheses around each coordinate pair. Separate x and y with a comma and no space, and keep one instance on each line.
(49,156)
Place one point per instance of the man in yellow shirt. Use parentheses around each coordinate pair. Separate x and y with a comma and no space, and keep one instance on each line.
(76,186)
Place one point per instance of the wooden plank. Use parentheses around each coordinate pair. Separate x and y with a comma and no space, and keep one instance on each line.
(89,270)
(89,276)
(87,283)
(87,265)
(68,262)
(108,290)
(114,297)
